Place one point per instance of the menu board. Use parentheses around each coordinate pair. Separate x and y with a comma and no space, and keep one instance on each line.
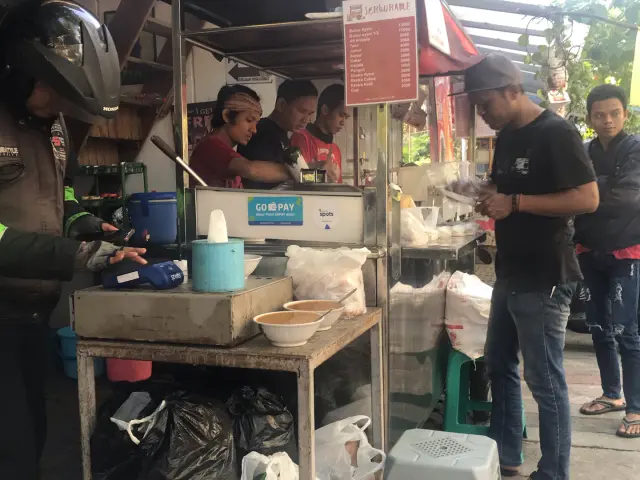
(381,53)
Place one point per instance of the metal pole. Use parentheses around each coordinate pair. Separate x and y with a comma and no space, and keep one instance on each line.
(382,264)
(180,128)
(472,137)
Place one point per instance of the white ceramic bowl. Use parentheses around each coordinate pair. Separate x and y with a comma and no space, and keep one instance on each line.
(289,329)
(320,307)
(250,263)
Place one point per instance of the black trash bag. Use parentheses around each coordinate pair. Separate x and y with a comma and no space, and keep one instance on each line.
(113,455)
(261,423)
(191,439)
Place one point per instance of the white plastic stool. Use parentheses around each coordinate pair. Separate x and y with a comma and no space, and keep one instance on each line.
(431,455)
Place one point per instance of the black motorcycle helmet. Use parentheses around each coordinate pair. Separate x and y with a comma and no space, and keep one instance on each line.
(65,46)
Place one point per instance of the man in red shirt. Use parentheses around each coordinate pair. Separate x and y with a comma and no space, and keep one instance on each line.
(316,142)
(609,252)
(234,121)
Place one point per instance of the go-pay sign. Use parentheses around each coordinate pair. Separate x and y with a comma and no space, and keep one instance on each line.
(275,210)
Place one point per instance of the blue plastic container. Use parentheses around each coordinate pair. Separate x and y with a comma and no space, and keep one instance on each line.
(154,214)
(217,267)
(67,352)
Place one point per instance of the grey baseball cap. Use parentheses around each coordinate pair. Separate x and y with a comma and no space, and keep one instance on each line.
(494,71)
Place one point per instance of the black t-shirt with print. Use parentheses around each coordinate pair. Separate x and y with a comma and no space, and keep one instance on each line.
(269,145)
(536,252)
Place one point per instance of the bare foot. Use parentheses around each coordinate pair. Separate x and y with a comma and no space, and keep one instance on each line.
(595,406)
(630,430)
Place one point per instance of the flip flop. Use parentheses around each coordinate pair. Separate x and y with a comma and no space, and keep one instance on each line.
(609,407)
(627,424)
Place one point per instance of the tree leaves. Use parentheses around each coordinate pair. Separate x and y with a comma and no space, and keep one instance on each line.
(523,40)
(607,52)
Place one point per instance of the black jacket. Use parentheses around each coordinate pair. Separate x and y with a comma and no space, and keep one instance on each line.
(35,210)
(616,223)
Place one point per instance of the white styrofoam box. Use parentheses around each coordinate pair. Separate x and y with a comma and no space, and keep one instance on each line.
(421,454)
(329,217)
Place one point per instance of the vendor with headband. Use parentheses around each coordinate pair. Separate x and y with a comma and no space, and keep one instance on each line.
(234,122)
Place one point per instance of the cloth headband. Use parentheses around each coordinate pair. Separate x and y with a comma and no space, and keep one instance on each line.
(242,102)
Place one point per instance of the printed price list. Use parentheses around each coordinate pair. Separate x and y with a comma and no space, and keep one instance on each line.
(381,61)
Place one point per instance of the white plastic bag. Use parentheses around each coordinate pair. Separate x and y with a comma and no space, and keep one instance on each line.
(413,232)
(130,409)
(343,451)
(417,315)
(328,275)
(467,306)
(278,466)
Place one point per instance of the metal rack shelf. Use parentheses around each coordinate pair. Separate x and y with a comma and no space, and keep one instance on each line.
(313,48)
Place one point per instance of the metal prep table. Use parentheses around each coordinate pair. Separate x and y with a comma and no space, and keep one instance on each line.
(417,375)
(257,353)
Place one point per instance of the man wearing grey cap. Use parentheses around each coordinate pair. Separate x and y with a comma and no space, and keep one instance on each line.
(541,177)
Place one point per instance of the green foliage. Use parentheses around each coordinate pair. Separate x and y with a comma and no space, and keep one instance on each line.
(607,52)
(415,147)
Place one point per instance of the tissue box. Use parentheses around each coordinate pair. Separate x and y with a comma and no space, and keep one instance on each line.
(179,315)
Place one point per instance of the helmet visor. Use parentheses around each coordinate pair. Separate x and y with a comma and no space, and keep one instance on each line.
(62,31)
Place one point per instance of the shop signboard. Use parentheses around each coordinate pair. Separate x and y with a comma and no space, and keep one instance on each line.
(198,122)
(437,27)
(381,51)
(275,210)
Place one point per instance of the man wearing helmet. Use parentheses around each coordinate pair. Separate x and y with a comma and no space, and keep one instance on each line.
(57,59)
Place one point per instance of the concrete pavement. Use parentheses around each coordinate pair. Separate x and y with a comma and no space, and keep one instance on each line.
(597,453)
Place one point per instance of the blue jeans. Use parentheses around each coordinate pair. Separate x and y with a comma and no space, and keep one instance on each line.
(535,323)
(613,287)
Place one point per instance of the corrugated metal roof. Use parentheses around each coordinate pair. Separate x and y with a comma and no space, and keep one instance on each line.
(496,25)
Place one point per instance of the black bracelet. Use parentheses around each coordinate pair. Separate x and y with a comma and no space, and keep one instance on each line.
(514,203)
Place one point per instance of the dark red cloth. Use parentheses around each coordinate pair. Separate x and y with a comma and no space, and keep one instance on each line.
(210,159)
(629,253)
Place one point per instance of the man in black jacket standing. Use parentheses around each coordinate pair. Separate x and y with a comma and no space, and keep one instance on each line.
(609,253)
(56,57)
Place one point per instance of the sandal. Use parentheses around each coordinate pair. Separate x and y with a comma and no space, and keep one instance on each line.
(609,407)
(627,424)
(509,472)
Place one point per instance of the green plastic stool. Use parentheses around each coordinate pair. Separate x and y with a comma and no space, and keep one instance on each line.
(457,401)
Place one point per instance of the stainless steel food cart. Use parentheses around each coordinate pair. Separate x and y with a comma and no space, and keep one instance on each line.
(311,49)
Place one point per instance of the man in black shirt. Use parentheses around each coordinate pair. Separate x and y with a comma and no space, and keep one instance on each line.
(540,178)
(295,108)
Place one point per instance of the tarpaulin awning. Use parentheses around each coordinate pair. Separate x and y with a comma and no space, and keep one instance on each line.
(462,51)
(315,48)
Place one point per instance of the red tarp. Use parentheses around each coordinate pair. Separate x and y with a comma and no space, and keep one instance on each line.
(432,62)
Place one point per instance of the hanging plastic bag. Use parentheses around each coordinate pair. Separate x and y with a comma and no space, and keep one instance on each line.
(276,467)
(418,315)
(343,451)
(468,301)
(328,275)
(261,423)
